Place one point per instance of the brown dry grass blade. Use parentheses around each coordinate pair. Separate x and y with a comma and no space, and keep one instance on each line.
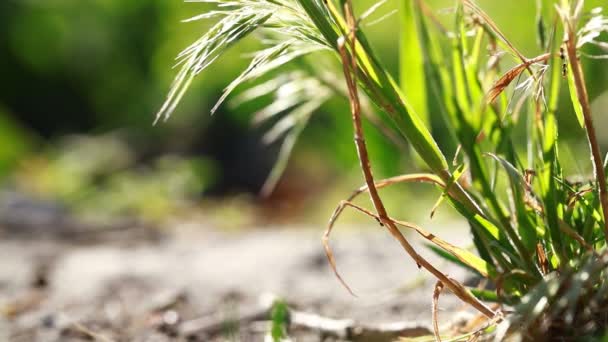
(326,235)
(420,177)
(503,82)
(542,258)
(408,178)
(459,253)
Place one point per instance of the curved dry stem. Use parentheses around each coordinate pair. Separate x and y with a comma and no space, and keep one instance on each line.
(349,64)
(328,252)
(407,178)
(414,177)
(454,286)
(436,293)
(418,177)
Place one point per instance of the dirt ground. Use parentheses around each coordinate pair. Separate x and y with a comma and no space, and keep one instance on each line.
(194,282)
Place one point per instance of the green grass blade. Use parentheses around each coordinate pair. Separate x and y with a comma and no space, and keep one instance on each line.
(411,67)
(548,133)
(527,230)
(471,261)
(279,316)
(490,237)
(541,29)
(438,83)
(380,87)
(578,108)
(486,295)
(463,96)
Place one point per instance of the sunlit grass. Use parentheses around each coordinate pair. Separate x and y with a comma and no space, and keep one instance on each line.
(537,232)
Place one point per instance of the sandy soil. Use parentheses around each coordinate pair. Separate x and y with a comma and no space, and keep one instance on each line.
(135,285)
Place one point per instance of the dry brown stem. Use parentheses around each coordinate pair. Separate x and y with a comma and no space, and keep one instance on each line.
(583,98)
(349,63)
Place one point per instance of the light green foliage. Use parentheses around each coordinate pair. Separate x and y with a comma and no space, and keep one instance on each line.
(89,173)
(411,70)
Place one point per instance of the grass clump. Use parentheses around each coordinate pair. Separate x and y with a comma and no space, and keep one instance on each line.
(540,237)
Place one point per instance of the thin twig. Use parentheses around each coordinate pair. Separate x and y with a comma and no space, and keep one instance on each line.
(342,329)
(90,333)
(352,330)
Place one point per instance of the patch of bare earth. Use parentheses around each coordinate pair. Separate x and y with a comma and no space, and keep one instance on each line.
(194,282)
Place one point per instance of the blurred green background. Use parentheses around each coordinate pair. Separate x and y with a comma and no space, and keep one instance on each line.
(82,80)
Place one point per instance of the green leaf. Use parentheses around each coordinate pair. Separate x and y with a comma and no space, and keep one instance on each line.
(463,96)
(380,87)
(550,189)
(411,66)
(437,81)
(541,29)
(466,259)
(485,295)
(469,259)
(489,235)
(578,108)
(526,229)
(280,321)
(460,170)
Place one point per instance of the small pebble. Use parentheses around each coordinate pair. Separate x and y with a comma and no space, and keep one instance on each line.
(170,317)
